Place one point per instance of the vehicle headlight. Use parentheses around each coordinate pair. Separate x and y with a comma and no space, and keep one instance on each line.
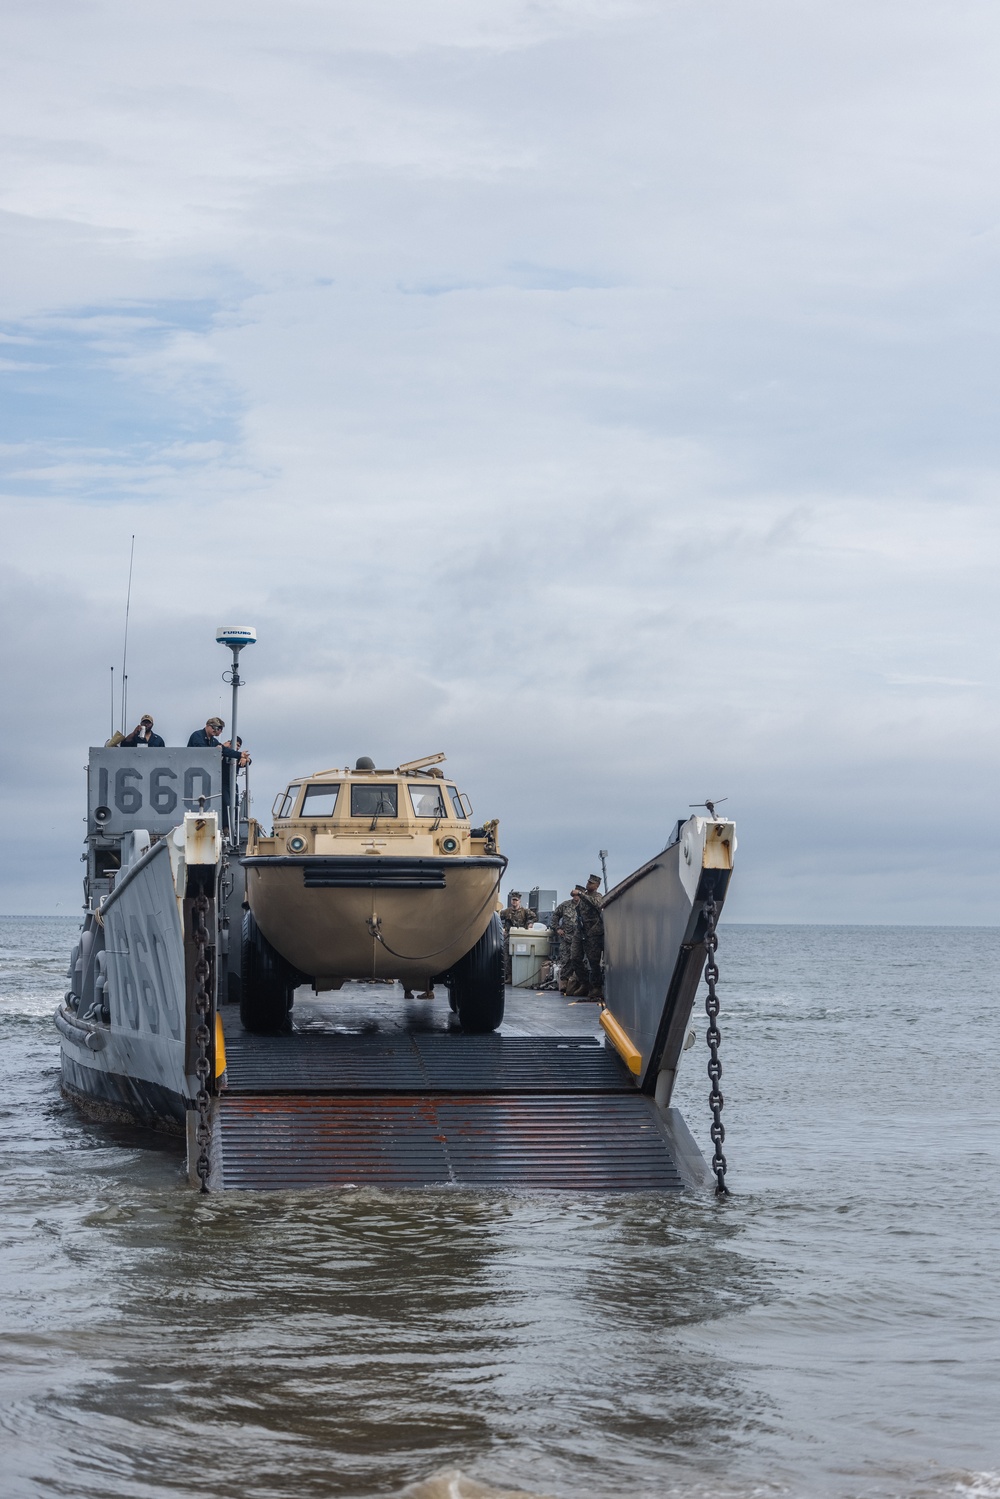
(296,844)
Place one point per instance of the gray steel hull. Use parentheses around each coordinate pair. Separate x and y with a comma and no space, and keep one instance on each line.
(124,1045)
(114,1098)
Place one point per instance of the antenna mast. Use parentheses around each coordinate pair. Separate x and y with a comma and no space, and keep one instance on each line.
(235,637)
(128,601)
(112,702)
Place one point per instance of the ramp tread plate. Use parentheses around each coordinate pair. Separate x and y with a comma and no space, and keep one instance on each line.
(605,1143)
(431,1062)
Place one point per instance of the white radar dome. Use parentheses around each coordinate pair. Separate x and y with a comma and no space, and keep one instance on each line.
(236,636)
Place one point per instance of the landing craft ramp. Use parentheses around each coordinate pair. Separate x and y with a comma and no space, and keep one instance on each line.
(372,1090)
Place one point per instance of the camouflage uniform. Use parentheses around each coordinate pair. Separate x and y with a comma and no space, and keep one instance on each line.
(514,916)
(517,916)
(563,929)
(589,947)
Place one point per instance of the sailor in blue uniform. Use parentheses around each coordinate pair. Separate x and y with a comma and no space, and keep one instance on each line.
(208,738)
(142,734)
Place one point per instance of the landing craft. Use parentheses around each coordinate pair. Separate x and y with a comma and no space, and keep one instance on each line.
(368,874)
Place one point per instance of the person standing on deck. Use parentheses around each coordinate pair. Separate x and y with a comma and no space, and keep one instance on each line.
(588,948)
(514,915)
(563,929)
(591,919)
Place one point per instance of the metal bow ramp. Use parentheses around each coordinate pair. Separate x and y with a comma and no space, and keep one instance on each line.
(435,1108)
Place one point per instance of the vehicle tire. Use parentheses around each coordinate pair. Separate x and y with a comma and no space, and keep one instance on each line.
(476,991)
(268,984)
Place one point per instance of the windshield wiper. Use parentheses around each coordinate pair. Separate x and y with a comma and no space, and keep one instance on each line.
(384,808)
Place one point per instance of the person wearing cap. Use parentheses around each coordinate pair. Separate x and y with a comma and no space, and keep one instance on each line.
(588,941)
(142,734)
(563,926)
(514,915)
(208,738)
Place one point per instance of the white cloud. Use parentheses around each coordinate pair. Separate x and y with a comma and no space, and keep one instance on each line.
(602,393)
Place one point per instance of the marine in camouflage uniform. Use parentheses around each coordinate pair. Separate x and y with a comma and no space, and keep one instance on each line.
(514,915)
(588,947)
(563,929)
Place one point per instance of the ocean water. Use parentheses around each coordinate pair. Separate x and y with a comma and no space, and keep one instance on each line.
(832,1329)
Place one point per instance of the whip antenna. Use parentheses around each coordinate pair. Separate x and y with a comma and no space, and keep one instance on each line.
(128,601)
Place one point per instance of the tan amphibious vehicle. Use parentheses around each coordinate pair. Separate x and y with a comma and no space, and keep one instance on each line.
(373,874)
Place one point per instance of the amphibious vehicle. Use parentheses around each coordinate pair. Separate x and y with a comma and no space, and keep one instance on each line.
(373,874)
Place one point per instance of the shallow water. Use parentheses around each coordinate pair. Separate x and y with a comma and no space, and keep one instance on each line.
(831,1329)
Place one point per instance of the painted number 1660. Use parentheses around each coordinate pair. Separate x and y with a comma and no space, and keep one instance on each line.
(163,790)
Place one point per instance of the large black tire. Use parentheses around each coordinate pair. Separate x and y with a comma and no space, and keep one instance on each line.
(268,984)
(477,983)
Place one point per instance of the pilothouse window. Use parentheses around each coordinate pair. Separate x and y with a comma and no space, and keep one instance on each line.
(427,801)
(320,801)
(373,801)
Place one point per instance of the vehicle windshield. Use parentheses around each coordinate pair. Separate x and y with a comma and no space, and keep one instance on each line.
(287,802)
(428,801)
(460,803)
(373,801)
(319,801)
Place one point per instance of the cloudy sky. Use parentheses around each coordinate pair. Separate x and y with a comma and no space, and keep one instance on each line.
(603,392)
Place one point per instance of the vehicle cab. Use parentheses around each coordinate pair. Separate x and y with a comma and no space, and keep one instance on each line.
(412,810)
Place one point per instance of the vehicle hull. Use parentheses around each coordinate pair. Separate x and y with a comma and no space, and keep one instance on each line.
(370,917)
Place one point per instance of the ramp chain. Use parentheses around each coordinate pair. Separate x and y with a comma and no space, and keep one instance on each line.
(714,1036)
(202,1035)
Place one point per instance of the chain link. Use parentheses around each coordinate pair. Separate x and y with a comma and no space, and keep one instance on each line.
(202,1036)
(714,1036)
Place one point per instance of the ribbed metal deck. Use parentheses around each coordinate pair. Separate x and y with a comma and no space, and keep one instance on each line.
(407,1101)
(432,1062)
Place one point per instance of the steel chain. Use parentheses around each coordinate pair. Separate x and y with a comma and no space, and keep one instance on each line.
(714,1036)
(202,1036)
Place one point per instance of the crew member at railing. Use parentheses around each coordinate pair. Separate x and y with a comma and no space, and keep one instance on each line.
(142,734)
(208,738)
